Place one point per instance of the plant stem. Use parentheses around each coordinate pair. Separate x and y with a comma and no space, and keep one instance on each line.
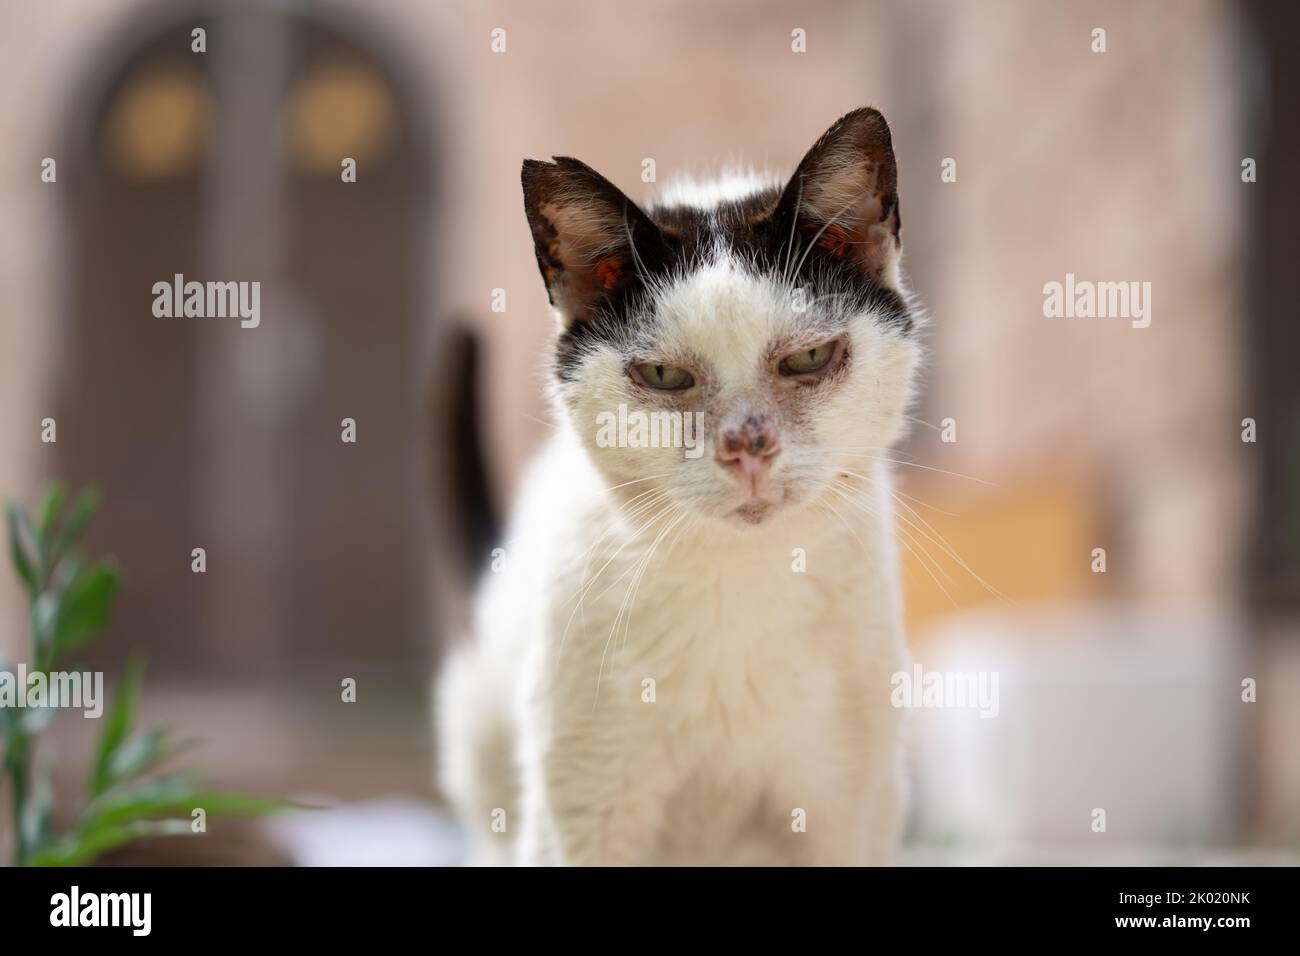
(16,762)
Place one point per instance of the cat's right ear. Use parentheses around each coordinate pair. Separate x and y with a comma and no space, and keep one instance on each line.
(587,235)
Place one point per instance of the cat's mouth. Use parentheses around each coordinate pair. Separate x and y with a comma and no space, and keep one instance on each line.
(758,508)
(754,510)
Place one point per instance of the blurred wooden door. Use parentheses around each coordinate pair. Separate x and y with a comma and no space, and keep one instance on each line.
(226,166)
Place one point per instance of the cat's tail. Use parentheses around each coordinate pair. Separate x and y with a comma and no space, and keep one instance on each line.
(459,464)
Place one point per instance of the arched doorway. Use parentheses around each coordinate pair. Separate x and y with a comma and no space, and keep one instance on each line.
(226,166)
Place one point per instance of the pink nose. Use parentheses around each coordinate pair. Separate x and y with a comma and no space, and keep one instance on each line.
(748,447)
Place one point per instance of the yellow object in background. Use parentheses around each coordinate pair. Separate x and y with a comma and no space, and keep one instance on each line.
(1032,542)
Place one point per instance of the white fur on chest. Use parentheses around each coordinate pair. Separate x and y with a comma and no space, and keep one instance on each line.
(728,673)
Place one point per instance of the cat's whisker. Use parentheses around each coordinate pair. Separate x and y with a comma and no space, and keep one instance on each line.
(580,597)
(655,499)
(636,508)
(943,543)
(539,421)
(931,533)
(926,504)
(649,642)
(928,562)
(843,520)
(640,575)
(623,513)
(916,548)
(848,525)
(630,595)
(609,587)
(913,464)
(938,566)
(580,606)
(637,481)
(917,529)
(905,458)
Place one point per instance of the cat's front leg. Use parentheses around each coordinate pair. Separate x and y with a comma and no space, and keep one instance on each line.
(846,798)
(594,797)
(853,821)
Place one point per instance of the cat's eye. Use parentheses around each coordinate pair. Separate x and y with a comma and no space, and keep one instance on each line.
(668,378)
(808,361)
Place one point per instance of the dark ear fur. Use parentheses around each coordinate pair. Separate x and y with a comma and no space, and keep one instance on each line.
(845,196)
(587,235)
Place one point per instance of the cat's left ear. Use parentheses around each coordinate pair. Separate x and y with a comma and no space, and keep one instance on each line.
(587,235)
(845,196)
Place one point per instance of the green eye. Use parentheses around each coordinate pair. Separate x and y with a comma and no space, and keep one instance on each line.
(670,378)
(809,360)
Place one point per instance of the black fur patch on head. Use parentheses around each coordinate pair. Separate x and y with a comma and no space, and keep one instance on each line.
(833,229)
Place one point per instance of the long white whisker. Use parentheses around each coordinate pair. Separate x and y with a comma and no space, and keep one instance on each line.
(636,481)
(910,543)
(586,586)
(913,464)
(952,553)
(628,595)
(926,504)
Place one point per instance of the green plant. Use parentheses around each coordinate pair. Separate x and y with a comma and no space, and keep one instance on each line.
(70,599)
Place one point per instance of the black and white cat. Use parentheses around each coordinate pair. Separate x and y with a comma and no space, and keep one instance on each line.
(687,655)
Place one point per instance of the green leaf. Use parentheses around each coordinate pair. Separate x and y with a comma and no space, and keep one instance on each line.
(83,510)
(167,787)
(84,608)
(33,720)
(215,803)
(45,612)
(112,818)
(56,495)
(79,849)
(38,816)
(171,795)
(121,720)
(142,751)
(22,541)
(7,721)
(44,617)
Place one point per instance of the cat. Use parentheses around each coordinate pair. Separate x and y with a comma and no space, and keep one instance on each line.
(686,658)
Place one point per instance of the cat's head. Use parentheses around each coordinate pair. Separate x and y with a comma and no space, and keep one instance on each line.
(741,346)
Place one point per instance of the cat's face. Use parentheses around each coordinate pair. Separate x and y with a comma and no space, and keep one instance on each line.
(735,356)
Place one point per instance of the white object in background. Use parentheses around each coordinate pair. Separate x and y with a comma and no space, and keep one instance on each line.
(391,831)
(1132,709)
